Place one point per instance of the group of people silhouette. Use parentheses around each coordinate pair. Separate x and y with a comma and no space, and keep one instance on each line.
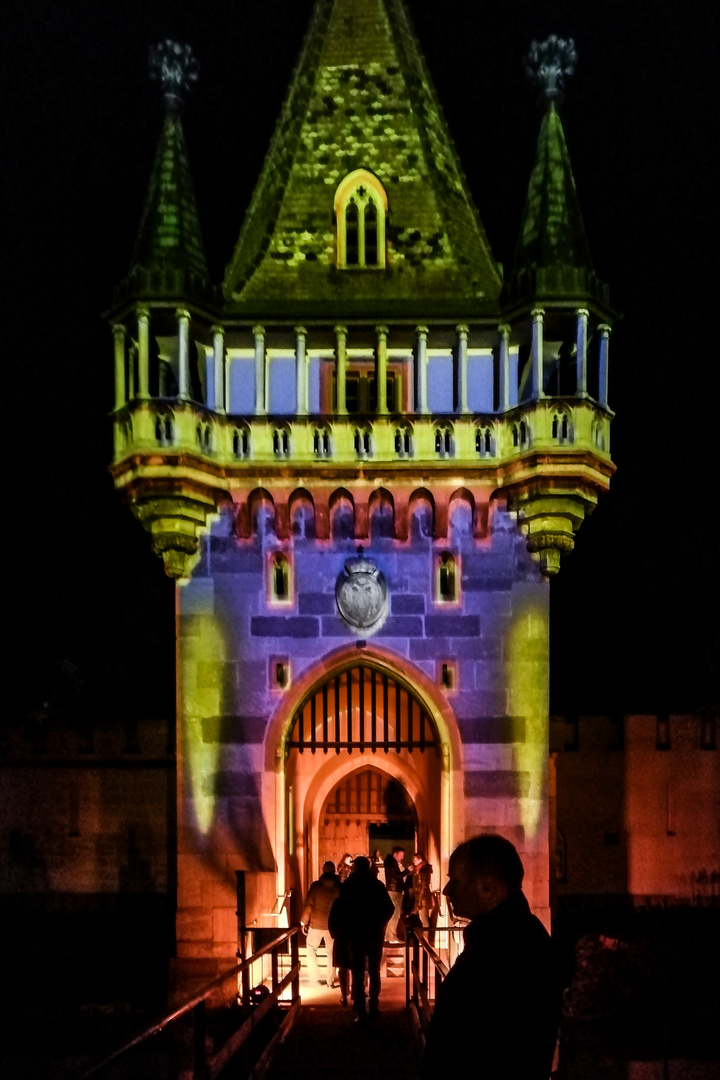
(350,909)
(496,1012)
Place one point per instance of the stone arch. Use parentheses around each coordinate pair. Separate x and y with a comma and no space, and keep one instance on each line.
(302,514)
(331,773)
(444,815)
(261,510)
(461,513)
(342,514)
(421,509)
(381,511)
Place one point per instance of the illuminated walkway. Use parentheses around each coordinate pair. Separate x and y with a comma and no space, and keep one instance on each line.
(326,1044)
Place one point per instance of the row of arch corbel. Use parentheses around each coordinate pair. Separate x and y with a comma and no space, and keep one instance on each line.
(402,505)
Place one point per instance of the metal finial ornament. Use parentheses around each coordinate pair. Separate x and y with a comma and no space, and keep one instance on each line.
(549,63)
(175,68)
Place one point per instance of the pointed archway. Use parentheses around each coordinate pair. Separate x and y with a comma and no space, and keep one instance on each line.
(366,810)
(361,717)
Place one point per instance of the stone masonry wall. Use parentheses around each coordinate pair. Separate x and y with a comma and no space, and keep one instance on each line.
(232,634)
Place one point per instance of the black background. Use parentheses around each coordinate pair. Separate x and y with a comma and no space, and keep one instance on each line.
(87,607)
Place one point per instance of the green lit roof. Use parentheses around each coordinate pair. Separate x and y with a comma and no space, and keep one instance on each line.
(552,255)
(361,97)
(169,236)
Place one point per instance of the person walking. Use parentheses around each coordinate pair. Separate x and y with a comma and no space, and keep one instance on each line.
(395,879)
(497,1011)
(345,866)
(321,896)
(359,917)
(422,896)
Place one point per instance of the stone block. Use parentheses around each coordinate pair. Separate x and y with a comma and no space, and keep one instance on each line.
(401,626)
(198,597)
(280,626)
(334,627)
(496,784)
(408,605)
(190,871)
(488,674)
(489,756)
(225,925)
(493,729)
(229,782)
(233,729)
(316,603)
(228,557)
(194,924)
(429,650)
(217,675)
(489,583)
(220,892)
(197,950)
(452,626)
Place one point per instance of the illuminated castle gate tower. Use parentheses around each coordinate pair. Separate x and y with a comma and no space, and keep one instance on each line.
(363,379)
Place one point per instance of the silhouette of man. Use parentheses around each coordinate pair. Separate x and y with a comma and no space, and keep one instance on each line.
(359,916)
(496,1014)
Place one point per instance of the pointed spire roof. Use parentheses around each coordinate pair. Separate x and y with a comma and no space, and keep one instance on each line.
(552,232)
(552,256)
(170,238)
(361,97)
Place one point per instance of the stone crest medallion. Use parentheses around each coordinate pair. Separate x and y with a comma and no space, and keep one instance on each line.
(361,595)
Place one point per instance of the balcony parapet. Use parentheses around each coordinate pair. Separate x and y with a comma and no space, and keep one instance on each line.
(176,461)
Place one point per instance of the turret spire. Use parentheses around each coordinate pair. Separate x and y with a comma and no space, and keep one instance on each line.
(169,239)
(552,255)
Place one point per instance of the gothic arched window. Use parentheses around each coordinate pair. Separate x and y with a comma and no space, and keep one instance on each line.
(241,442)
(561,428)
(363,444)
(443,440)
(446,579)
(280,579)
(484,441)
(360,209)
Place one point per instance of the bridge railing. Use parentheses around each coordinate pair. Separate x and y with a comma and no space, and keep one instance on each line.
(181,1044)
(429,955)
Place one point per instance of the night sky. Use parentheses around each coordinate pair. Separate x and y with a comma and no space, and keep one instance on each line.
(634,610)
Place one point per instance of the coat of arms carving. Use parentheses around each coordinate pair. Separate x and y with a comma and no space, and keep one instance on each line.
(361,595)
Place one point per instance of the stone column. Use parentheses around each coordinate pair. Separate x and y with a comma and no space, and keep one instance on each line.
(537,354)
(143,318)
(301,371)
(183,318)
(260,379)
(381,370)
(581,343)
(340,369)
(218,370)
(462,362)
(119,335)
(504,369)
(421,402)
(604,331)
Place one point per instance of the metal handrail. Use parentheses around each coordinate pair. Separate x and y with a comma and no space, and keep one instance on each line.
(425,971)
(202,1068)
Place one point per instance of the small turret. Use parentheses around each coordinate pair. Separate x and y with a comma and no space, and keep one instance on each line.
(552,258)
(169,256)
(556,295)
(162,335)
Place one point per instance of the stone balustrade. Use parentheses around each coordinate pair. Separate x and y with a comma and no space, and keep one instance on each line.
(549,425)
